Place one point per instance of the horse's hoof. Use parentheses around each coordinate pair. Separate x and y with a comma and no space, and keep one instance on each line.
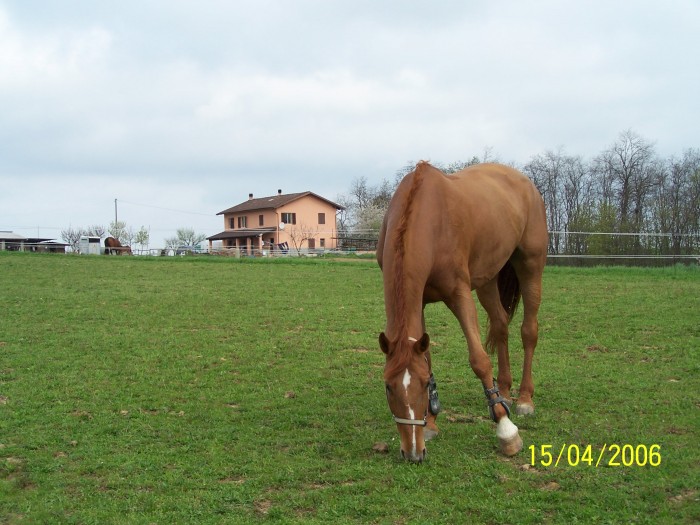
(429,434)
(524,409)
(508,437)
(510,446)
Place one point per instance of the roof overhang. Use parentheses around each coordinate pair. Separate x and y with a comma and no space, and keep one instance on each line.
(241,234)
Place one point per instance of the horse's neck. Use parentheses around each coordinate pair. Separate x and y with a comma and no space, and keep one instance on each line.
(403,308)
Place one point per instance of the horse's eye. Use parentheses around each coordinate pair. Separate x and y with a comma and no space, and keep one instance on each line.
(388,389)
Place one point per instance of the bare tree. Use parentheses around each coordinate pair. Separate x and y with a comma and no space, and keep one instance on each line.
(627,167)
(71,236)
(676,203)
(361,193)
(300,233)
(547,172)
(96,230)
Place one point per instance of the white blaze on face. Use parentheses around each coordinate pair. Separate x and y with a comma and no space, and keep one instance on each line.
(411,414)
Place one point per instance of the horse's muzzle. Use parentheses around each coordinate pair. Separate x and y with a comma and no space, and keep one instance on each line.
(414,458)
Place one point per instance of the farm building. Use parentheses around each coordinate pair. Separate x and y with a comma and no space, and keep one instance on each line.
(14,242)
(294,221)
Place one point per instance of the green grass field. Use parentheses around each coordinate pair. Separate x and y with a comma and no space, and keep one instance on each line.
(204,390)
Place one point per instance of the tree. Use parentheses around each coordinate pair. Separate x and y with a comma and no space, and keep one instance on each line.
(142,237)
(118,231)
(71,237)
(185,237)
(676,203)
(566,187)
(96,230)
(627,168)
(546,171)
(299,234)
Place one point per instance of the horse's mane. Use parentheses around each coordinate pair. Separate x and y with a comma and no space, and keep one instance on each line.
(399,359)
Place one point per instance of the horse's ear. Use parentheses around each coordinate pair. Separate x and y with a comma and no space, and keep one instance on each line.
(384,343)
(423,343)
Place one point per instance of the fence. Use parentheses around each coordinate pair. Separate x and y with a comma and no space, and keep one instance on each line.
(632,249)
(565,248)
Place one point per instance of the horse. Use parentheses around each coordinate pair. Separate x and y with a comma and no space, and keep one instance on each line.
(114,247)
(484,229)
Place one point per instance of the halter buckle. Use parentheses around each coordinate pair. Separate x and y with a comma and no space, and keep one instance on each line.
(433,400)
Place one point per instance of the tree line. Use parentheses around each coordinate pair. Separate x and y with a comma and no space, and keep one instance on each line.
(627,200)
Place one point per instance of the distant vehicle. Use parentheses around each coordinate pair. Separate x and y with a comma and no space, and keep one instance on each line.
(187,250)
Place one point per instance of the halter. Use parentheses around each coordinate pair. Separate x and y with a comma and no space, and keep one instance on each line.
(433,402)
(405,421)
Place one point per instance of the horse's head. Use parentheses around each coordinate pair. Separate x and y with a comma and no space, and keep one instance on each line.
(406,375)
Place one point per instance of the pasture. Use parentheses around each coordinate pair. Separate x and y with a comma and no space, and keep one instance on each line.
(205,390)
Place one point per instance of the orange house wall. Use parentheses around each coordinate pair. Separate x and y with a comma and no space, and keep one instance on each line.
(306,209)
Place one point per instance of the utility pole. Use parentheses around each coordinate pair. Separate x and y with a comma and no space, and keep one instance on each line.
(115,213)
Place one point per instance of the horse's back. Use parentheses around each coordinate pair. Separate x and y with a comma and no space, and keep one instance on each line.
(477,217)
(497,184)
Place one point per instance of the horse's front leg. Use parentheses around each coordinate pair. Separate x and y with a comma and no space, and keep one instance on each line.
(497,337)
(463,306)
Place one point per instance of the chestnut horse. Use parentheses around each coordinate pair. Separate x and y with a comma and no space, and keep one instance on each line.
(114,247)
(482,229)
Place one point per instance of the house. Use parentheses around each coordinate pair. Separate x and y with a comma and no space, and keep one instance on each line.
(294,221)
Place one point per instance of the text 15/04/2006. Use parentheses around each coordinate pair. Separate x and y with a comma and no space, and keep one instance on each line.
(613,455)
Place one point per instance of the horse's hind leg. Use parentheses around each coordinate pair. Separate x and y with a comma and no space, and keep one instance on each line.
(497,337)
(530,276)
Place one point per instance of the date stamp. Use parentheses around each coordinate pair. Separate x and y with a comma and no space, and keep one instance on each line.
(610,455)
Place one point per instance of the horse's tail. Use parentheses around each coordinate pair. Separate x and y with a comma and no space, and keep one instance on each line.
(509,292)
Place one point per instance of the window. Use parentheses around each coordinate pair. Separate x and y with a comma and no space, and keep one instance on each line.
(322,243)
(289,218)
(312,244)
(231,223)
(243,222)
(261,220)
(322,218)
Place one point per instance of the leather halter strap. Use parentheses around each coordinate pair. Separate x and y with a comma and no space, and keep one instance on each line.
(413,422)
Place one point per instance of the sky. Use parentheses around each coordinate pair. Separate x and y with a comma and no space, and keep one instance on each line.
(179,109)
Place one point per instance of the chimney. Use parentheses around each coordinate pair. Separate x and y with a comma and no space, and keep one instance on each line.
(250,196)
(279,192)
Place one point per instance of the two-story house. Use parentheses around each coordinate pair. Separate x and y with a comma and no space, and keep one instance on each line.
(295,221)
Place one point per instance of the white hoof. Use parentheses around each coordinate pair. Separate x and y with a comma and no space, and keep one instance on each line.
(524,409)
(509,440)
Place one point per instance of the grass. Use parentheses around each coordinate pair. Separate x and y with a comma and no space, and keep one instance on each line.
(168,390)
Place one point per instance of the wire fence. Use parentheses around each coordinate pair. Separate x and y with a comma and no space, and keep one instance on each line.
(565,248)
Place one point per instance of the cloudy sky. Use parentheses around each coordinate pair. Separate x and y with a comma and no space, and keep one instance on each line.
(178,109)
